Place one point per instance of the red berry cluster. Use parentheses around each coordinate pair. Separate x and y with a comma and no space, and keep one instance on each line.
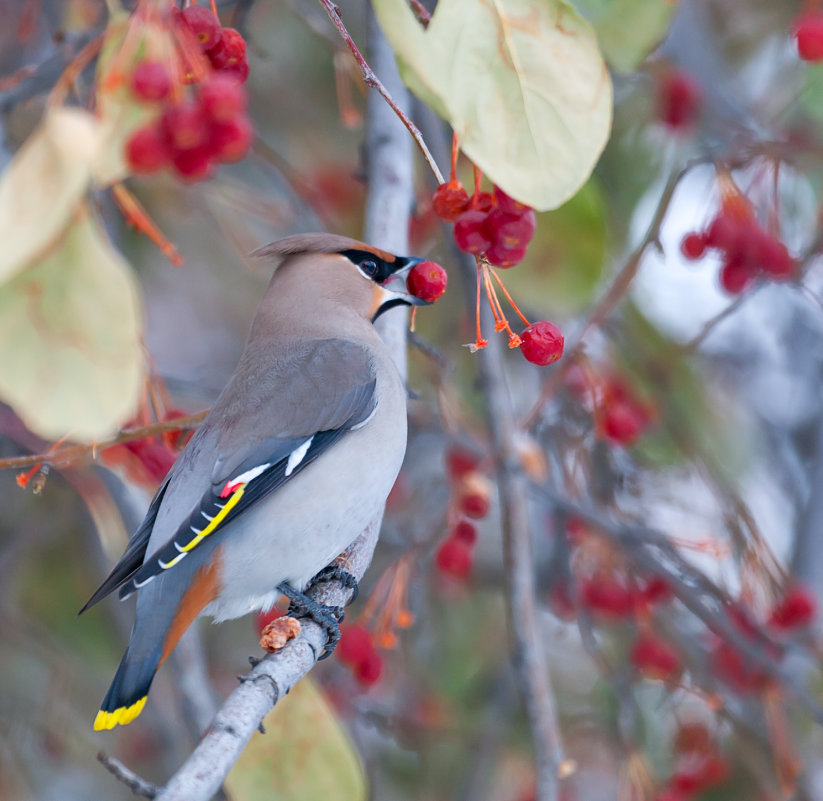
(732,666)
(808,34)
(678,99)
(193,134)
(699,765)
(489,224)
(655,658)
(427,281)
(747,250)
(470,500)
(356,650)
(796,609)
(621,416)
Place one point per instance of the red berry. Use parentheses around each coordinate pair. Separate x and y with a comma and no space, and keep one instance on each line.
(231,140)
(808,33)
(194,165)
(355,644)
(454,557)
(797,608)
(511,231)
(151,81)
(460,462)
(146,150)
(697,772)
(735,276)
(607,595)
(655,590)
(482,201)
(655,658)
(509,204)
(263,619)
(622,422)
(678,100)
(368,671)
(505,257)
(465,532)
(475,505)
(693,736)
(731,667)
(222,98)
(775,259)
(724,232)
(204,26)
(185,126)
(154,456)
(239,70)
(427,281)
(470,232)
(693,246)
(229,51)
(450,200)
(542,343)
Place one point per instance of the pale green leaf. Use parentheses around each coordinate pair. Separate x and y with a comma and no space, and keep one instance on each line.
(70,353)
(42,185)
(628,30)
(305,754)
(522,83)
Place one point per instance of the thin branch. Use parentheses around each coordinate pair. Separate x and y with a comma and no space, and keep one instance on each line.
(135,783)
(72,455)
(372,80)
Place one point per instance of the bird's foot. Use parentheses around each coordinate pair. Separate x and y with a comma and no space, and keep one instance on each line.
(328,617)
(335,572)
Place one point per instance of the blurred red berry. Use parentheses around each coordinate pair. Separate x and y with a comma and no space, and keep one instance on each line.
(454,558)
(504,257)
(622,422)
(725,232)
(355,644)
(655,658)
(229,50)
(153,455)
(231,140)
(460,462)
(368,670)
(808,33)
(655,590)
(678,99)
(512,231)
(239,70)
(204,25)
(542,343)
(193,165)
(693,246)
(474,504)
(427,281)
(775,259)
(465,532)
(146,150)
(151,81)
(222,98)
(450,200)
(697,772)
(470,232)
(735,276)
(185,126)
(607,595)
(693,736)
(797,608)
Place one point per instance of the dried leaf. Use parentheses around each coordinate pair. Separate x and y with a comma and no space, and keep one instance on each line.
(522,83)
(305,754)
(70,355)
(42,185)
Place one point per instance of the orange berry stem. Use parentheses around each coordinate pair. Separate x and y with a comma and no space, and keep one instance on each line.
(455,154)
(138,217)
(214,8)
(509,297)
(479,341)
(478,179)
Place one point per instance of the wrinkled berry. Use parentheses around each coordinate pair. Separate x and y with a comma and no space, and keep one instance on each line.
(427,281)
(542,343)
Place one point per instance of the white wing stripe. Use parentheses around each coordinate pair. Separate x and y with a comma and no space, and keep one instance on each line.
(297,456)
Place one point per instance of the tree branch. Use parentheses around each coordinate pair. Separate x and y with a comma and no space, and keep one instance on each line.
(135,783)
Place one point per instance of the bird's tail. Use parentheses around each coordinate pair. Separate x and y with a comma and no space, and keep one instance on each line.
(127,695)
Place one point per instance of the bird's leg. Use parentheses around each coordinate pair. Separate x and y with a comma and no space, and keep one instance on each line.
(328,617)
(335,572)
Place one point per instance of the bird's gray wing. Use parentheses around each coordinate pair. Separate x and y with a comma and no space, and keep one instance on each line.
(271,423)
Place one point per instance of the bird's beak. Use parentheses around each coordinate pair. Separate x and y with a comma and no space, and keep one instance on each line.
(395,289)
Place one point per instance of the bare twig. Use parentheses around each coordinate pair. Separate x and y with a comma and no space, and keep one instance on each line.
(372,80)
(135,783)
(73,455)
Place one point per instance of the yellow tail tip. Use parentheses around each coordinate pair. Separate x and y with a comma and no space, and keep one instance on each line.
(122,715)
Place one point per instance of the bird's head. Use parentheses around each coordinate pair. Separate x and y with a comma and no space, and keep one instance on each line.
(363,277)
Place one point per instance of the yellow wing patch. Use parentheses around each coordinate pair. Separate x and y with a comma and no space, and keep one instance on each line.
(121,715)
(214,522)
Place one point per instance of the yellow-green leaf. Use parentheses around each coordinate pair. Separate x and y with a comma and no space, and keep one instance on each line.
(628,30)
(305,754)
(42,185)
(70,353)
(522,82)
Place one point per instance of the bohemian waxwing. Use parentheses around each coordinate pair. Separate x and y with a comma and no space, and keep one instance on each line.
(293,462)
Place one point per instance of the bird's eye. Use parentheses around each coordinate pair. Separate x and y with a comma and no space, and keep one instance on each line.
(369,268)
